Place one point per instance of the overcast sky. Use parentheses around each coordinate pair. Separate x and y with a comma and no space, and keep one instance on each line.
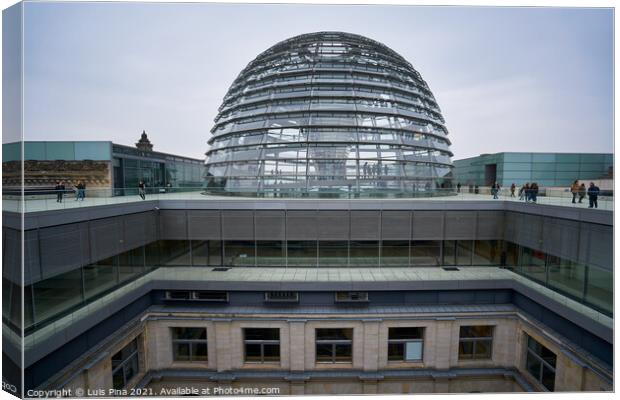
(506,79)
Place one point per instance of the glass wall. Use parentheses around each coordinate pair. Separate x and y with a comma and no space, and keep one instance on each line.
(156,170)
(52,297)
(49,298)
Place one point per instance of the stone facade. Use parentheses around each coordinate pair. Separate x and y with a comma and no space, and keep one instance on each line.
(370,372)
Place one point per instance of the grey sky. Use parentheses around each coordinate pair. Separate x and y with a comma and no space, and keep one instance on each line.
(507,79)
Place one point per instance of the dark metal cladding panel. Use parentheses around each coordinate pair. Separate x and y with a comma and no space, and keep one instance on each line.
(460,225)
(11,254)
(510,226)
(528,231)
(427,225)
(333,225)
(204,224)
(301,225)
(561,238)
(65,247)
(365,225)
(106,238)
(490,225)
(237,225)
(139,229)
(601,250)
(32,266)
(270,225)
(396,225)
(173,224)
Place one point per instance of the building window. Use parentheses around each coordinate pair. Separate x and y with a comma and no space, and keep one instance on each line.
(262,345)
(282,297)
(475,342)
(125,365)
(189,344)
(202,295)
(334,345)
(351,297)
(178,295)
(540,363)
(405,344)
(210,296)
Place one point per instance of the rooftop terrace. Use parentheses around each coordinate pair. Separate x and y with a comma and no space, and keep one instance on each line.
(100,197)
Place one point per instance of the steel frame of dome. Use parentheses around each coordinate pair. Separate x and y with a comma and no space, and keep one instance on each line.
(329,114)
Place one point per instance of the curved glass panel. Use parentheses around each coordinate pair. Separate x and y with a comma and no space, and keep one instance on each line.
(329,114)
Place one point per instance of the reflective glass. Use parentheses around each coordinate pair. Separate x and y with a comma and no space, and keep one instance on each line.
(395,253)
(57,294)
(600,291)
(239,253)
(301,253)
(333,253)
(566,276)
(425,252)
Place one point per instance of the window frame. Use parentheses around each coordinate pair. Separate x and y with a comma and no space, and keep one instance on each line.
(261,343)
(122,366)
(333,343)
(189,342)
(404,342)
(363,298)
(543,363)
(474,341)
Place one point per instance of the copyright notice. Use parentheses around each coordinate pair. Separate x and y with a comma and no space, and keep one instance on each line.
(167,391)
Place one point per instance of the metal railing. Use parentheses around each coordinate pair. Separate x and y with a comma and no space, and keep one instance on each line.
(35,199)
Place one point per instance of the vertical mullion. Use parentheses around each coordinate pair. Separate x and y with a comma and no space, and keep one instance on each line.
(262,352)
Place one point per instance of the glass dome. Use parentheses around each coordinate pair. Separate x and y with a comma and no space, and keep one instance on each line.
(329,114)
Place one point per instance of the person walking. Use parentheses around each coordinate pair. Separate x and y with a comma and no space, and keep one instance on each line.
(80,191)
(142,190)
(495,190)
(527,192)
(582,192)
(513,187)
(60,190)
(533,192)
(593,192)
(522,192)
(458,187)
(574,189)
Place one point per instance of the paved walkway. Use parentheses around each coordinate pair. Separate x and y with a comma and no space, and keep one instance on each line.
(38,204)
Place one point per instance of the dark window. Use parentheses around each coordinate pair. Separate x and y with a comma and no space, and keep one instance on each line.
(210,296)
(125,365)
(405,344)
(178,294)
(334,345)
(189,344)
(540,363)
(351,296)
(262,344)
(475,342)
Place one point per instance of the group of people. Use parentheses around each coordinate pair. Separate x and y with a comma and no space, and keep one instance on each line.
(370,170)
(79,189)
(529,192)
(580,191)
